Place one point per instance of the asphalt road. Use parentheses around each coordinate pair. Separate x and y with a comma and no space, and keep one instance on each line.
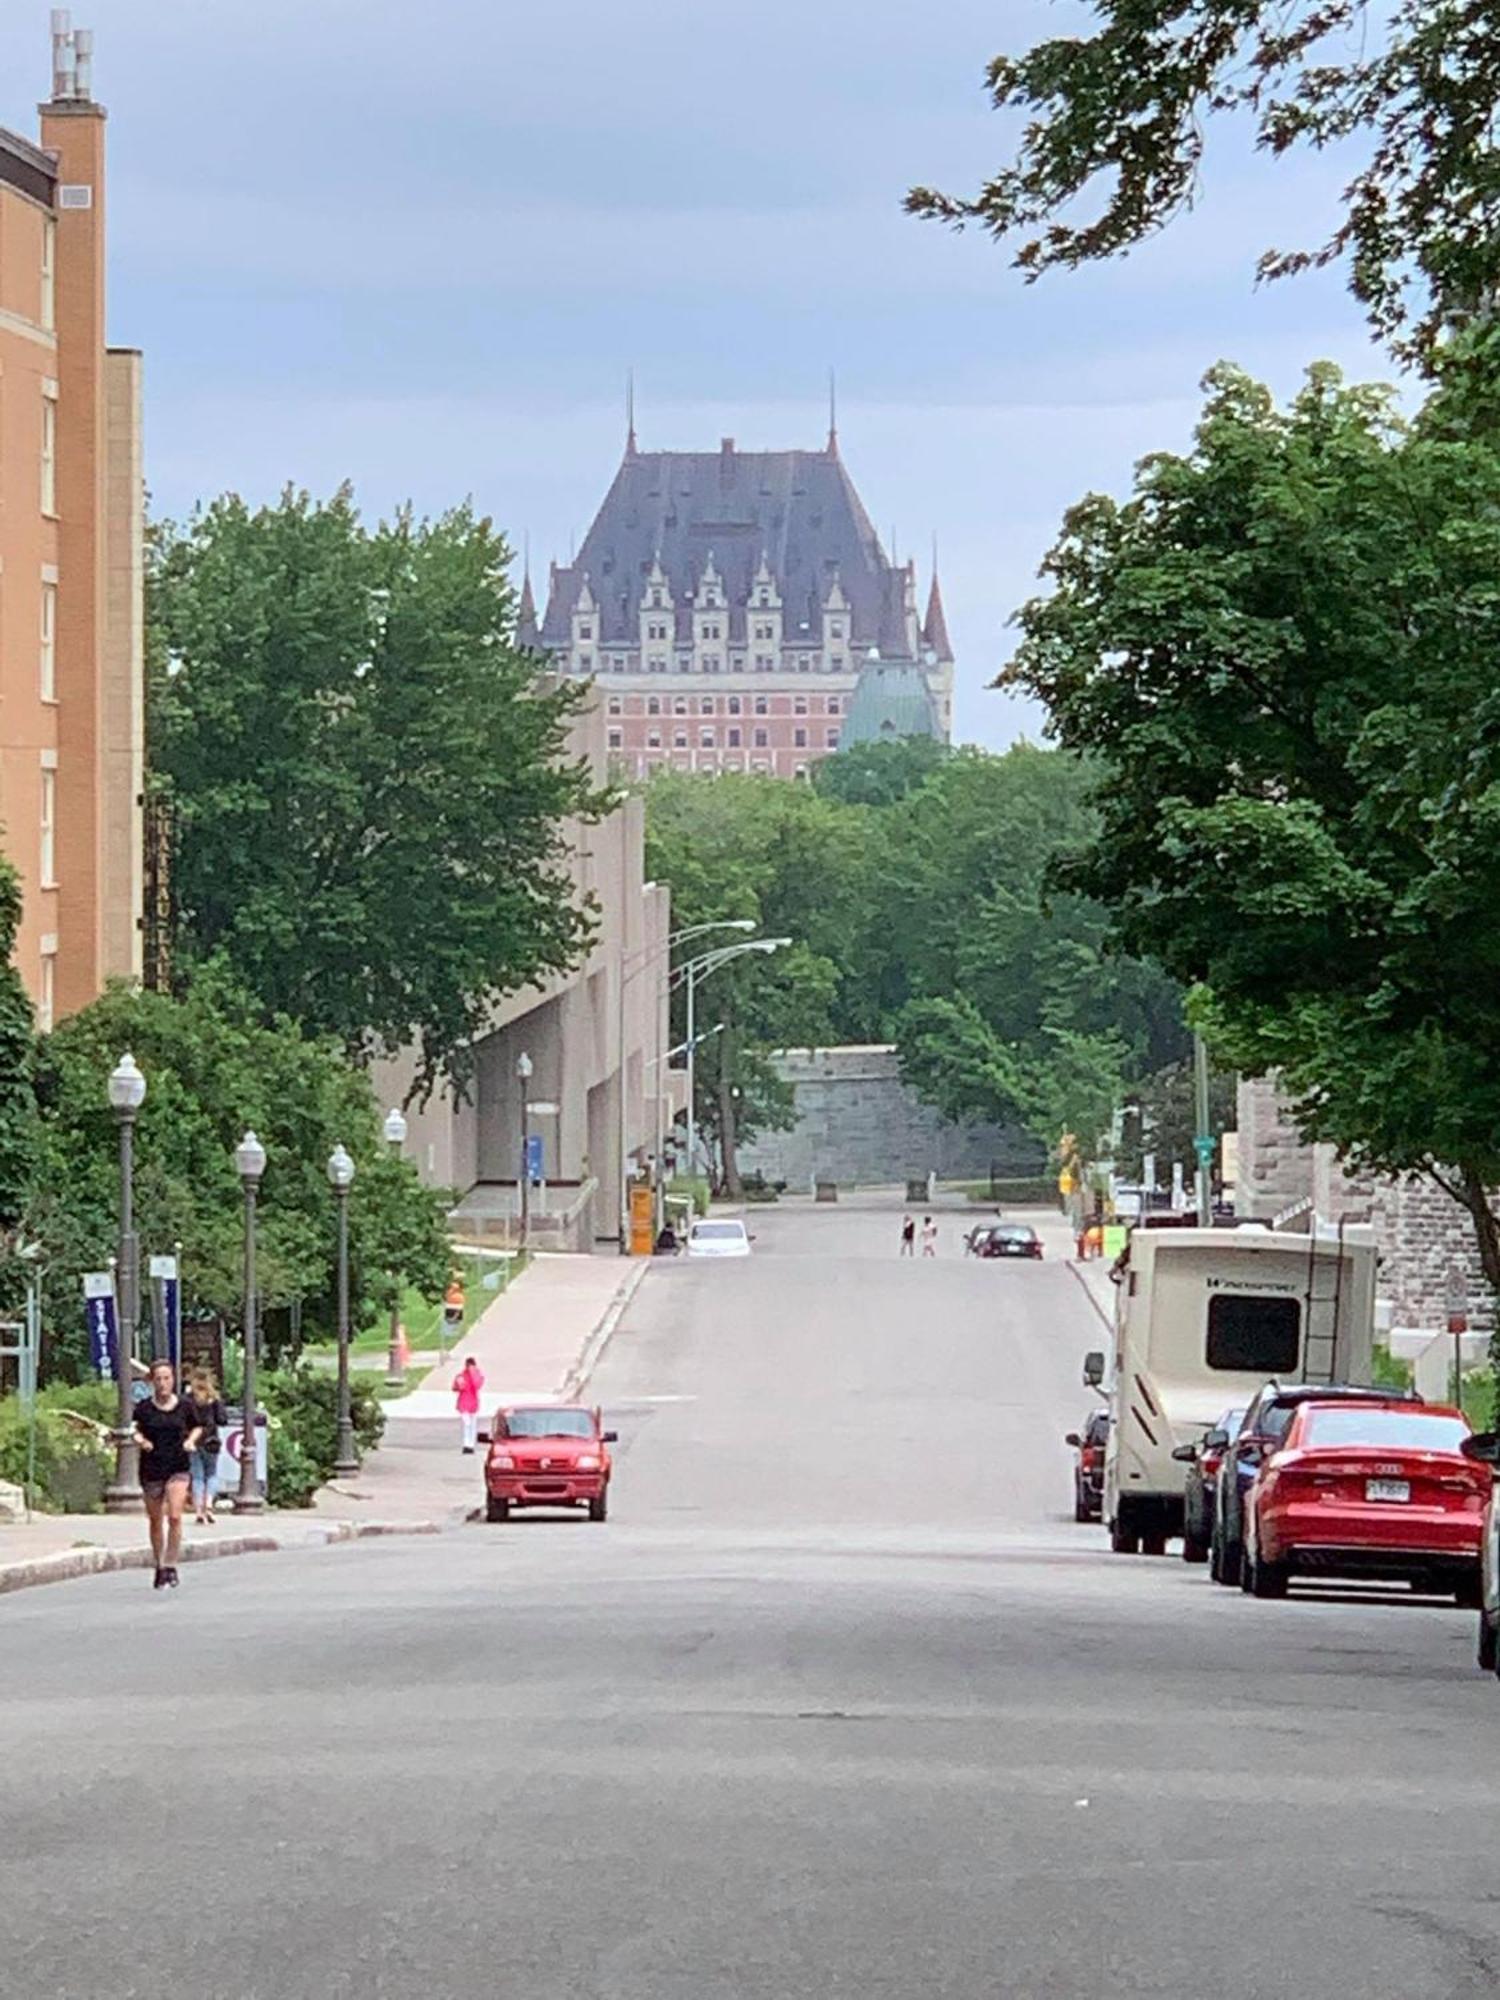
(840,1702)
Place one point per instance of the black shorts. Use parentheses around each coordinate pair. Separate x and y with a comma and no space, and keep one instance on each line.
(155,1489)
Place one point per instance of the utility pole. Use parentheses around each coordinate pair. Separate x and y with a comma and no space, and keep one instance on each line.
(1203,1138)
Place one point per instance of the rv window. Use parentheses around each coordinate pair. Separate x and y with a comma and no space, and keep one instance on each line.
(1253,1336)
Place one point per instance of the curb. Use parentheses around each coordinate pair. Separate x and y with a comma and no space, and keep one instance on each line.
(1088,1292)
(577,1378)
(70,1563)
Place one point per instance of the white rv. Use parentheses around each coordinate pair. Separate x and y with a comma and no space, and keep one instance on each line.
(1203,1319)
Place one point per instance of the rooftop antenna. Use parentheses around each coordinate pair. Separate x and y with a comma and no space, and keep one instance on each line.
(630,444)
(833,411)
(83,63)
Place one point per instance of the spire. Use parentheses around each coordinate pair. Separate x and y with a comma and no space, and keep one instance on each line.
(528,633)
(833,414)
(630,444)
(935,625)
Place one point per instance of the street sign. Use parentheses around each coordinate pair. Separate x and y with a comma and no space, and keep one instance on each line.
(540,1108)
(104,1325)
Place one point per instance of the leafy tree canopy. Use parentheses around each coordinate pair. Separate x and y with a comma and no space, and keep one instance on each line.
(370,778)
(1118,122)
(1280,651)
(877,774)
(212,1070)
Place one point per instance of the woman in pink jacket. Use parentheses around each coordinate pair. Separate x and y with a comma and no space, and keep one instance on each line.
(467,1384)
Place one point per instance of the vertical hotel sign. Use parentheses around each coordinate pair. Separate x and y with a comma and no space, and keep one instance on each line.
(104,1324)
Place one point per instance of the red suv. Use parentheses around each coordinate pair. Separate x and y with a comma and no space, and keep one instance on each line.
(547,1455)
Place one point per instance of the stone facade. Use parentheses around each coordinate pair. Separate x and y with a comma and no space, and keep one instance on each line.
(859,1124)
(1426,1240)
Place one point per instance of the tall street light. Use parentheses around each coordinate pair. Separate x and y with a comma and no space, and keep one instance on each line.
(695,970)
(250,1164)
(341,1179)
(523,1075)
(127,1093)
(631,964)
(394,1130)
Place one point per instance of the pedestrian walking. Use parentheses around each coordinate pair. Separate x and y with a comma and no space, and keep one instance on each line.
(467,1384)
(929,1237)
(167,1432)
(203,1393)
(908,1237)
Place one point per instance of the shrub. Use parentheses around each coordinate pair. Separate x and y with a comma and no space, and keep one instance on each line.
(292,1479)
(73,1463)
(302,1404)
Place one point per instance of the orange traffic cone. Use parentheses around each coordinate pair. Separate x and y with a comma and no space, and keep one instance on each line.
(403,1348)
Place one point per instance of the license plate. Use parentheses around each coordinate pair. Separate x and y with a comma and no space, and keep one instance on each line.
(1388,1489)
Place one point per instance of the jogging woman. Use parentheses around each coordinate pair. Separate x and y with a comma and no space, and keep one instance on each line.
(167,1430)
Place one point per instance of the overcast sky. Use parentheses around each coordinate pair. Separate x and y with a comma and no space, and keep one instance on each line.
(419,247)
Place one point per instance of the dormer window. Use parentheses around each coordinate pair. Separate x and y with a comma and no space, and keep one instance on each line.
(585,631)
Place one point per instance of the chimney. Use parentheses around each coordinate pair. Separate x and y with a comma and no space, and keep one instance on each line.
(726,461)
(72,60)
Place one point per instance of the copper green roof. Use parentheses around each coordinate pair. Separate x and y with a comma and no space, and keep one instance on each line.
(890,700)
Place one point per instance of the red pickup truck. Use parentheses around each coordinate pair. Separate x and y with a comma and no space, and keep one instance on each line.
(547,1455)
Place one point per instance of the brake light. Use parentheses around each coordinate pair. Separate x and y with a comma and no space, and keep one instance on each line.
(1457,1483)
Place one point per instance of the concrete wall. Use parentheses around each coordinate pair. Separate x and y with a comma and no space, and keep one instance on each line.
(858,1123)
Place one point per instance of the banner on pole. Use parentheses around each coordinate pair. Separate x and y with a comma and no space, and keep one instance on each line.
(169,1309)
(104,1324)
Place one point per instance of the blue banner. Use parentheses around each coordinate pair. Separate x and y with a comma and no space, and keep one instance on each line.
(534,1158)
(169,1310)
(104,1325)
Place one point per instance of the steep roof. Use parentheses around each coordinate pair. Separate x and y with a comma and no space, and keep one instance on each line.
(935,625)
(527,632)
(798,509)
(891,699)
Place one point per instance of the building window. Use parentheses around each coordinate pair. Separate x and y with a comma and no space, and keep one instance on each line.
(49,642)
(764,664)
(710,663)
(835,631)
(737,664)
(585,631)
(47,865)
(833,739)
(799,705)
(49,275)
(585,663)
(680,740)
(616,705)
(656,630)
(707,705)
(49,451)
(799,739)
(46,1006)
(706,739)
(734,704)
(765,631)
(801,770)
(734,739)
(653,704)
(616,739)
(835,663)
(653,739)
(759,764)
(679,706)
(657,663)
(761,739)
(762,707)
(805,665)
(833,704)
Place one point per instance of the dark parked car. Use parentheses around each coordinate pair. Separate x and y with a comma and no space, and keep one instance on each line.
(1088,1469)
(1203,1461)
(1009,1239)
(1266,1424)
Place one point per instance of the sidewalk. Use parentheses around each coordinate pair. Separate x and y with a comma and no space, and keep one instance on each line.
(541,1338)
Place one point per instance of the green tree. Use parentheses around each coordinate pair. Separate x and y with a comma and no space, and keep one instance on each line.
(1118,121)
(878,774)
(1280,652)
(212,1069)
(370,778)
(17,1054)
(739,846)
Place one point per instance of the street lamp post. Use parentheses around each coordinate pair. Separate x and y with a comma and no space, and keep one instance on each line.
(250,1164)
(341,1179)
(630,964)
(524,1068)
(395,1374)
(127,1093)
(697,968)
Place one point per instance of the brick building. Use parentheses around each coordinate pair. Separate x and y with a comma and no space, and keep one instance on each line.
(729,604)
(71,527)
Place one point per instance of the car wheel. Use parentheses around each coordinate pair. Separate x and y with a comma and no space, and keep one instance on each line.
(599,1509)
(1081,1510)
(1269,1579)
(1231,1564)
(1489,1645)
(496,1510)
(1193,1551)
(1124,1541)
(1153,1545)
(1469,1593)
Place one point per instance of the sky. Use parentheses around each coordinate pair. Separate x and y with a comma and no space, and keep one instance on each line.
(420,248)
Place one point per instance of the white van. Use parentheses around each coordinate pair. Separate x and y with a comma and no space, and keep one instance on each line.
(1204,1318)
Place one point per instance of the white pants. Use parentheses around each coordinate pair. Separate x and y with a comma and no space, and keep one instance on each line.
(470,1421)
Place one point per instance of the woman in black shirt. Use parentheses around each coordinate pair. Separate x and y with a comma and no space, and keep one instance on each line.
(167,1431)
